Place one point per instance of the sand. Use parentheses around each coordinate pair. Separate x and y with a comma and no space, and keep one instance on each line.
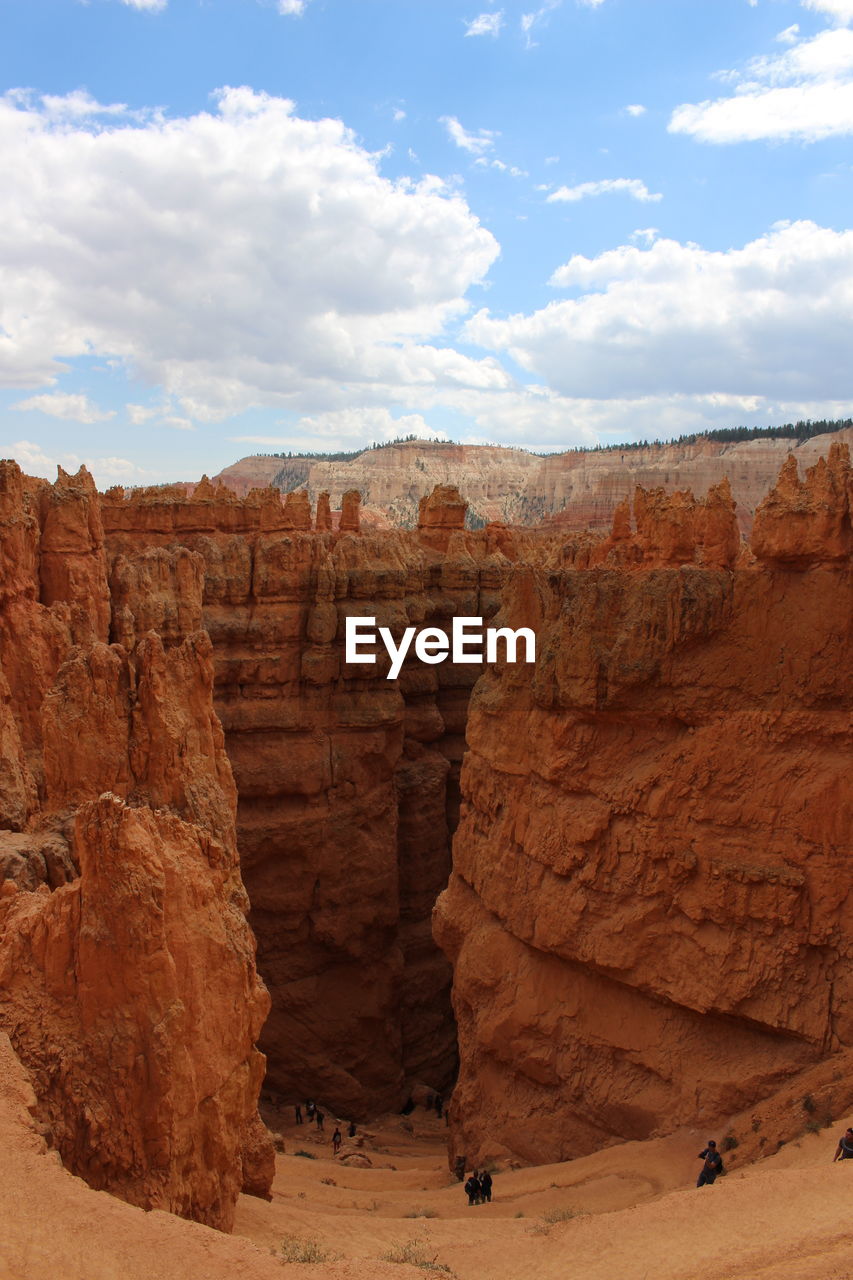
(637,1212)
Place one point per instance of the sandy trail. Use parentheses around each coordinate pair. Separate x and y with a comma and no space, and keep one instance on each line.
(638,1213)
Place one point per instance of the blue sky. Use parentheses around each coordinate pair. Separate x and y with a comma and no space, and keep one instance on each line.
(236,226)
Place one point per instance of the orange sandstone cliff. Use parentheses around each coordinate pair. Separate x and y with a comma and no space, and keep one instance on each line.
(652,870)
(128,984)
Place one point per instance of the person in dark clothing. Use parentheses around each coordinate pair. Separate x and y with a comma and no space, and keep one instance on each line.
(844,1150)
(472,1188)
(712,1167)
(309,1110)
(298,1110)
(486,1186)
(319,1117)
(336,1141)
(439,1105)
(351,1129)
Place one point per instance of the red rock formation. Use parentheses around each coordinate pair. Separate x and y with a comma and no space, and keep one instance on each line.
(801,523)
(350,503)
(646,917)
(441,514)
(130,991)
(324,513)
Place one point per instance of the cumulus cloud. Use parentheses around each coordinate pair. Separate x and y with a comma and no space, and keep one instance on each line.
(487,24)
(840,11)
(804,93)
(347,429)
(632,187)
(237,257)
(771,319)
(636,109)
(60,404)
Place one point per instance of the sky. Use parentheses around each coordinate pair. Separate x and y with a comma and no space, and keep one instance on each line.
(253,226)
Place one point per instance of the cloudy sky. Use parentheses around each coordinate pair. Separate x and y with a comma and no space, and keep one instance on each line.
(237,226)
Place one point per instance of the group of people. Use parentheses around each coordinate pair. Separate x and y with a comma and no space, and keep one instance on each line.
(478,1188)
(313,1112)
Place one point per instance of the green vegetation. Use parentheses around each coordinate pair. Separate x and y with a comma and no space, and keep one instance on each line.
(306,1155)
(730,1142)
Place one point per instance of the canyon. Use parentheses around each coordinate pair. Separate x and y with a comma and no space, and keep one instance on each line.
(614,883)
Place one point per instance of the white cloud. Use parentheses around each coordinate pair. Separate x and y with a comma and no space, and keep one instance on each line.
(769,320)
(537,16)
(645,235)
(839,10)
(487,24)
(348,429)
(152,6)
(338,290)
(292,8)
(790,35)
(399,114)
(632,187)
(636,109)
(477,143)
(60,404)
(805,92)
(177,423)
(139,413)
(34,461)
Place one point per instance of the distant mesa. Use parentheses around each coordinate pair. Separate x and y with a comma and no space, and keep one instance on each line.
(576,490)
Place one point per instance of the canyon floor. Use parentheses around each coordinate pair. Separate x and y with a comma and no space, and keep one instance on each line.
(630,1212)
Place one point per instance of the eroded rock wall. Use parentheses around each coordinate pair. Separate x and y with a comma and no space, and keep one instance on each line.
(652,871)
(128,984)
(347,782)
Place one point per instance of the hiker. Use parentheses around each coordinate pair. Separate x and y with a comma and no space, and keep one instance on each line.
(336,1141)
(298,1111)
(486,1186)
(844,1150)
(351,1129)
(712,1167)
(319,1117)
(472,1188)
(310,1109)
(439,1105)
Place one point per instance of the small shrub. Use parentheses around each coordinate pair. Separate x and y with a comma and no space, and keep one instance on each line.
(328,1182)
(519,1214)
(412,1252)
(306,1155)
(292,1249)
(553,1216)
(730,1142)
(809,1104)
(756,1123)
(812,1127)
(421,1213)
(828,1122)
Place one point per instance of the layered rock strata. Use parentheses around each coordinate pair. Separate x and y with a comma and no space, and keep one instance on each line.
(579,489)
(652,870)
(128,984)
(347,781)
